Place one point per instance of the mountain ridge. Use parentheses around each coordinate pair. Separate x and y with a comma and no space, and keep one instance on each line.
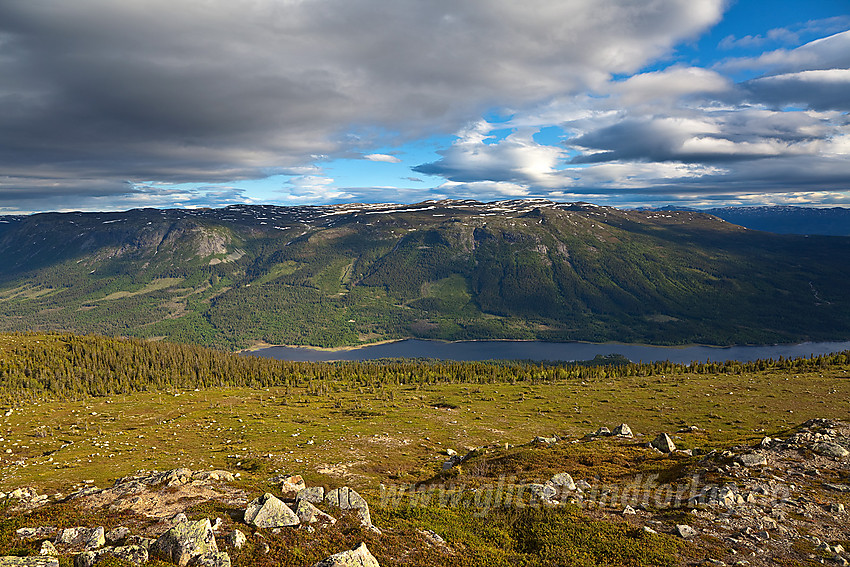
(350,274)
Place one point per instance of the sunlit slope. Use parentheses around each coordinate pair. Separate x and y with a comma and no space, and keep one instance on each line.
(348,274)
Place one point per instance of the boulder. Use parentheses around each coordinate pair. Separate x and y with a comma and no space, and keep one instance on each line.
(47,548)
(347,499)
(358,557)
(545,440)
(542,493)
(213,476)
(312,494)
(685,531)
(185,542)
(562,482)
(87,538)
(217,559)
(603,432)
(663,443)
(290,486)
(269,512)
(236,539)
(752,460)
(133,554)
(116,535)
(309,514)
(40,532)
(623,430)
(41,561)
(830,450)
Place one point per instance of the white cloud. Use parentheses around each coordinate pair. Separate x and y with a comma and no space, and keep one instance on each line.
(386,158)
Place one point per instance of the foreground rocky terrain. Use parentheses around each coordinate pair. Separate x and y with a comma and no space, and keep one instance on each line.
(779,501)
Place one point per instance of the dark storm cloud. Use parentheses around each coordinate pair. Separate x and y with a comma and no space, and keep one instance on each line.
(199,91)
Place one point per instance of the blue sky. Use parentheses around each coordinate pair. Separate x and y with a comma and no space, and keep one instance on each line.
(184,103)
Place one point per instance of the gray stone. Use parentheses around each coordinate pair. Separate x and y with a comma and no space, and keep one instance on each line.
(545,440)
(213,476)
(185,542)
(623,430)
(40,532)
(217,559)
(133,554)
(47,548)
(145,542)
(629,511)
(87,538)
(312,494)
(563,481)
(347,499)
(236,539)
(309,514)
(116,535)
(290,486)
(40,561)
(358,557)
(603,432)
(269,512)
(663,443)
(830,450)
(685,531)
(752,459)
(542,493)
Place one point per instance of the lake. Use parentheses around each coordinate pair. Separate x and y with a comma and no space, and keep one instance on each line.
(539,351)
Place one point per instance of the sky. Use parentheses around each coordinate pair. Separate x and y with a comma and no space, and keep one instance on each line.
(120,104)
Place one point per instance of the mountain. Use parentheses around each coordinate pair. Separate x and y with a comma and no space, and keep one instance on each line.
(348,274)
(833,221)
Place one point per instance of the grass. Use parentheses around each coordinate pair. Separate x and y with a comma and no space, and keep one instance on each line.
(365,435)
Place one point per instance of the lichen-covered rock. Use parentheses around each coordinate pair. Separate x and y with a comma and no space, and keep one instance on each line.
(663,443)
(358,557)
(312,494)
(218,559)
(236,539)
(40,561)
(347,499)
(133,554)
(562,482)
(216,475)
(40,532)
(309,514)
(291,486)
(752,459)
(830,450)
(269,512)
(81,537)
(47,548)
(623,430)
(116,535)
(185,542)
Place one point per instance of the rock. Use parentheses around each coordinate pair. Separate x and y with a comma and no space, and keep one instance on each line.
(24,493)
(562,482)
(649,530)
(545,440)
(752,459)
(358,557)
(663,443)
(837,487)
(184,542)
(629,511)
(269,512)
(347,499)
(213,476)
(623,430)
(47,548)
(115,535)
(290,486)
(830,450)
(603,432)
(217,559)
(312,494)
(87,538)
(133,554)
(44,561)
(309,514)
(542,493)
(451,452)
(236,539)
(685,531)
(145,542)
(766,443)
(836,508)
(178,518)
(583,485)
(40,532)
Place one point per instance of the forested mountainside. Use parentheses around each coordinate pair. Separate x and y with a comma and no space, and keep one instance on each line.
(347,274)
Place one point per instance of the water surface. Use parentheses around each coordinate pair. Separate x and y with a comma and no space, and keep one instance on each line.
(540,351)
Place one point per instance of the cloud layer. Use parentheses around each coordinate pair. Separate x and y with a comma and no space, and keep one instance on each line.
(151,103)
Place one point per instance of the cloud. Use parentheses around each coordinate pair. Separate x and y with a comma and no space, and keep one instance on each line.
(191,91)
(822,89)
(382,157)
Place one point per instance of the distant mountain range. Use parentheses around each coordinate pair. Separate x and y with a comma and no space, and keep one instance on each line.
(349,274)
(784,219)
